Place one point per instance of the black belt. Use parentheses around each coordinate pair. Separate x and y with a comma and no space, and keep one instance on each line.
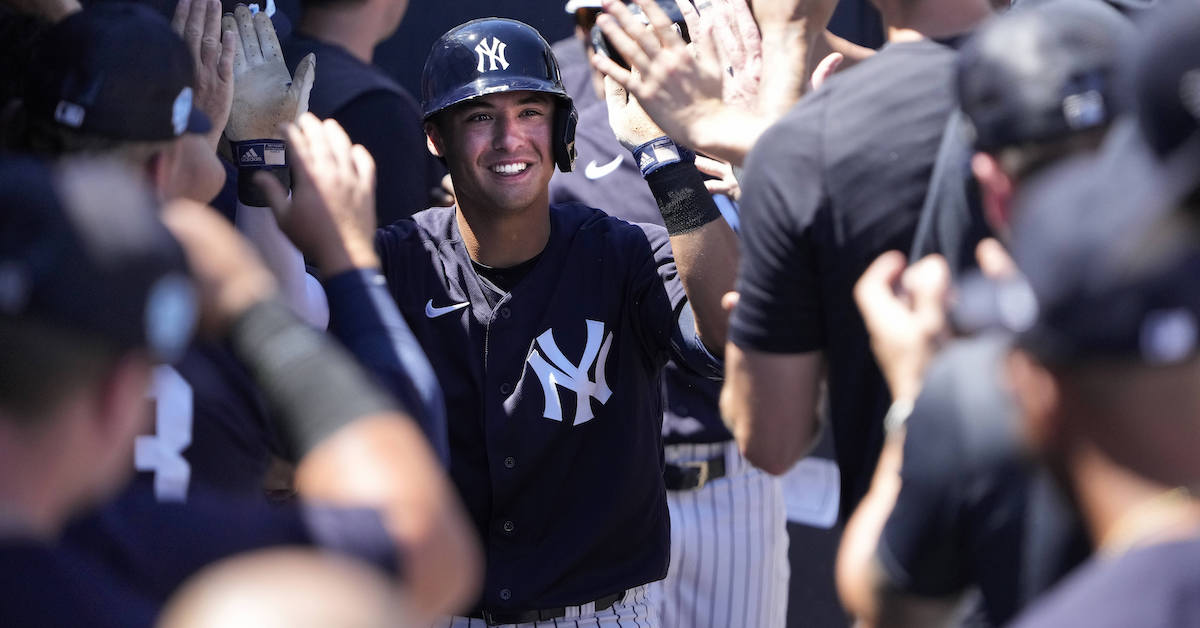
(499,618)
(687,476)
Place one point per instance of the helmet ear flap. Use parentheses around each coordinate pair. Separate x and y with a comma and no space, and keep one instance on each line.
(566,118)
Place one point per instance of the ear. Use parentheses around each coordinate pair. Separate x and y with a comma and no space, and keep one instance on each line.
(161,166)
(433,140)
(996,188)
(1036,393)
(122,406)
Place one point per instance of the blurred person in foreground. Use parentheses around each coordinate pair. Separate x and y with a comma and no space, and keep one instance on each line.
(95,293)
(1106,378)
(966,510)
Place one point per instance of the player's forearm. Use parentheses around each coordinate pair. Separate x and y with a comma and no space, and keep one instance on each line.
(861,581)
(382,462)
(704,246)
(285,262)
(769,403)
(729,135)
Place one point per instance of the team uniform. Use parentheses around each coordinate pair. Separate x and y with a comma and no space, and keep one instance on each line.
(728,563)
(552,397)
(381,115)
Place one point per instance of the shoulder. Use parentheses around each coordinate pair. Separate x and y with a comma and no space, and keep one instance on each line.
(963,406)
(434,225)
(1153,586)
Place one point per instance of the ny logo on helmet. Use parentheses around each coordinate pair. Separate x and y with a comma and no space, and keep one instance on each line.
(495,52)
(561,372)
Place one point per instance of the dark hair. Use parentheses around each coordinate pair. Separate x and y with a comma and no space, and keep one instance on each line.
(1024,160)
(41,365)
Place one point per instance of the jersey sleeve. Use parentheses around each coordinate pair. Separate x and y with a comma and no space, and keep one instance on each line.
(782,205)
(389,127)
(664,315)
(367,321)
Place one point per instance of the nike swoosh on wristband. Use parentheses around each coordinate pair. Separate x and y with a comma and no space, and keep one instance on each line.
(434,312)
(595,172)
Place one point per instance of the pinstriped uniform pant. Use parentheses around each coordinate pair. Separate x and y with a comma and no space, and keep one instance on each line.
(639,609)
(729,547)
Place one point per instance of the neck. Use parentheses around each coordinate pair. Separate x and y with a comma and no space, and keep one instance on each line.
(1123,510)
(507,241)
(34,471)
(906,20)
(355,29)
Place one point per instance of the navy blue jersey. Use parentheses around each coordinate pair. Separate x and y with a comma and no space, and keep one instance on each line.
(50,586)
(134,551)
(211,427)
(552,397)
(610,179)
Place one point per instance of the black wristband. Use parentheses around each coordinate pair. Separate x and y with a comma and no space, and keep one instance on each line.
(683,201)
(312,384)
(252,156)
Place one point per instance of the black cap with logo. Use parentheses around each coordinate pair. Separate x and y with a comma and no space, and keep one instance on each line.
(115,70)
(82,249)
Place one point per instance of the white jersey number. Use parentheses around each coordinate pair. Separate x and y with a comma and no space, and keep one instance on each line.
(162,454)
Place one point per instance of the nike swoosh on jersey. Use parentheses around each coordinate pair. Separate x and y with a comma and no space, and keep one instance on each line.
(434,312)
(594,171)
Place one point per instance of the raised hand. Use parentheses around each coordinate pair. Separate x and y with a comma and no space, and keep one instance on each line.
(906,325)
(198,22)
(331,215)
(265,96)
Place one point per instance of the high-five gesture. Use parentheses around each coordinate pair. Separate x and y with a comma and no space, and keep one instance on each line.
(331,215)
(265,96)
(198,22)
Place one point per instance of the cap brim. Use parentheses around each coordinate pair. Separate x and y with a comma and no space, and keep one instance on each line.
(198,122)
(575,5)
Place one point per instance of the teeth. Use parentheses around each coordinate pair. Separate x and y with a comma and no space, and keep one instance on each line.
(510,168)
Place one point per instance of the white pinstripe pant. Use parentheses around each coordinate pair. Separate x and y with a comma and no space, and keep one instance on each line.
(729,544)
(639,609)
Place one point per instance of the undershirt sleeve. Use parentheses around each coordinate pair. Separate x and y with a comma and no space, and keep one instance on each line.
(782,203)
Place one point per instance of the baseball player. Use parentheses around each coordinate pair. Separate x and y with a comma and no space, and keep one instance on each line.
(97,292)
(729,544)
(548,326)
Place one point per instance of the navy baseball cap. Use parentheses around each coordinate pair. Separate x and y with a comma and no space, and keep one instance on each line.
(115,70)
(1042,72)
(82,249)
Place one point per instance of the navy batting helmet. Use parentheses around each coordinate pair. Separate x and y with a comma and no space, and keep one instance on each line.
(493,55)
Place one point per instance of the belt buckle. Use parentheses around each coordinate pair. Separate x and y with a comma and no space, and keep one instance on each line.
(701,467)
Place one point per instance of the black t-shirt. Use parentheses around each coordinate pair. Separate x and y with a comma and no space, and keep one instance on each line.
(971,509)
(835,183)
(379,114)
(1150,587)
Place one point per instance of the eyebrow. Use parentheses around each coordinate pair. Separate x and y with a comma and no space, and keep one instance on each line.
(534,98)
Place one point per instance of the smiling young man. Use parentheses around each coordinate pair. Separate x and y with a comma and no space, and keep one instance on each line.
(547,326)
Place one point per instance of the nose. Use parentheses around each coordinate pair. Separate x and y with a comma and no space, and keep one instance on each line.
(507,134)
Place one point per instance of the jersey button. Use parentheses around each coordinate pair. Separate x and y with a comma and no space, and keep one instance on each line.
(505,594)
(510,462)
(508,527)
(505,389)
(504,313)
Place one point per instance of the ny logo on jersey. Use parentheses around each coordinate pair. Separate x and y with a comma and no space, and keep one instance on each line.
(560,371)
(495,52)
